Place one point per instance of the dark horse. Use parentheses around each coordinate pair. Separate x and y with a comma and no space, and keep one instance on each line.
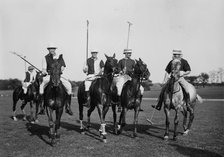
(131,97)
(55,98)
(174,98)
(31,96)
(99,95)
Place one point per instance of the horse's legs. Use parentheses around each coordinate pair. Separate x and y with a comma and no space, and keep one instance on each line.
(58,121)
(191,118)
(167,114)
(184,112)
(122,120)
(115,118)
(36,111)
(136,112)
(22,108)
(81,117)
(176,121)
(103,124)
(31,112)
(15,100)
(90,110)
(51,125)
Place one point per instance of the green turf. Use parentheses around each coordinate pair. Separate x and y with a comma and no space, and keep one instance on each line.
(22,139)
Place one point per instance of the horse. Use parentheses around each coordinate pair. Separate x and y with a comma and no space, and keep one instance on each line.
(31,96)
(99,96)
(174,98)
(55,98)
(131,96)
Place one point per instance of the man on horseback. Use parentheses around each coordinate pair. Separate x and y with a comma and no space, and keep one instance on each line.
(30,78)
(184,71)
(48,61)
(94,69)
(125,69)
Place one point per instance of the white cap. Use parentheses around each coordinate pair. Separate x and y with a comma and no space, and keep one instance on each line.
(177,51)
(127,51)
(51,45)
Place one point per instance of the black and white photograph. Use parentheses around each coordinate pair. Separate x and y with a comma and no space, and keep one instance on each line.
(111,78)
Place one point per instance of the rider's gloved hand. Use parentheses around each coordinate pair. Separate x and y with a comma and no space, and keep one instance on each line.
(182,73)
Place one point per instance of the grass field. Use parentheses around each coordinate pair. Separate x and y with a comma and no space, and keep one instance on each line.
(23,139)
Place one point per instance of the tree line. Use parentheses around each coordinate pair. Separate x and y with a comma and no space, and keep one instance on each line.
(200,80)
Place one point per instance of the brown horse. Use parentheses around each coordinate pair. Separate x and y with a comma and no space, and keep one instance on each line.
(174,98)
(55,98)
(131,97)
(99,96)
(31,96)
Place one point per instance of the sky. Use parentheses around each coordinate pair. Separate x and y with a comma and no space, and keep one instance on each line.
(159,26)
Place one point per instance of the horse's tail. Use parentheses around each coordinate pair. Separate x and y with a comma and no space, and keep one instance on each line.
(199,98)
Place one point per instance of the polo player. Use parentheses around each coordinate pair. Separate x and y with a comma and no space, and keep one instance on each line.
(30,78)
(125,69)
(47,62)
(94,69)
(184,71)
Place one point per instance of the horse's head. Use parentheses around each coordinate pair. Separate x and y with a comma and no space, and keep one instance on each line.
(175,67)
(55,73)
(39,78)
(141,69)
(110,65)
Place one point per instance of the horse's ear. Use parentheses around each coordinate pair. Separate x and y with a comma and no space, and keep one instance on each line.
(136,60)
(114,55)
(140,59)
(106,56)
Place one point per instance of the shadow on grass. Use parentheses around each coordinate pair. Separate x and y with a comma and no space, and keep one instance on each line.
(156,130)
(188,151)
(90,133)
(39,131)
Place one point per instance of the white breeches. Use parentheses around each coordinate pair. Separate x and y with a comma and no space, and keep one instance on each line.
(120,80)
(88,81)
(65,82)
(25,86)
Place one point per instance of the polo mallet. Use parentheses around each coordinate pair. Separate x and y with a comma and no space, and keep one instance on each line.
(87,40)
(129,26)
(26,61)
(150,120)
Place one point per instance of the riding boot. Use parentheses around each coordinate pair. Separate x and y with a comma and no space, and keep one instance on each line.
(140,109)
(68,105)
(119,104)
(187,99)
(87,99)
(41,100)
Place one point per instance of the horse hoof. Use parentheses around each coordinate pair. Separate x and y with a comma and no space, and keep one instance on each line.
(82,131)
(14,118)
(166,138)
(57,136)
(186,132)
(32,122)
(174,138)
(115,132)
(104,140)
(53,142)
(134,135)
